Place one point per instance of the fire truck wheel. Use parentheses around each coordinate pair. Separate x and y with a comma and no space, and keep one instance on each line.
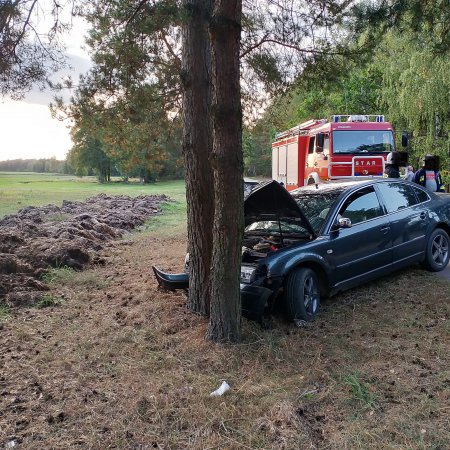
(302,294)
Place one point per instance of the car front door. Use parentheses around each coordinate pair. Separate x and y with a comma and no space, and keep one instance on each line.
(364,250)
(409,222)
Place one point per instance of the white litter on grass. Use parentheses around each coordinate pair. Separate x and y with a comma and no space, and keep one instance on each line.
(224,387)
(302,323)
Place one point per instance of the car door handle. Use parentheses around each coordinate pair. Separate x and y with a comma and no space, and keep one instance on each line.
(385,229)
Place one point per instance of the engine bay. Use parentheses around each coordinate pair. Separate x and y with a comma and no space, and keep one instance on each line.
(256,247)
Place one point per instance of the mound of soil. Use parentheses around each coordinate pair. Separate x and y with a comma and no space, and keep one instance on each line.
(37,238)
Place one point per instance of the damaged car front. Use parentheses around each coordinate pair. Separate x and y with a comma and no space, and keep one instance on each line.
(277,238)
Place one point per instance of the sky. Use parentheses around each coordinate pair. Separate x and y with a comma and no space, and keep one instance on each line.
(27,130)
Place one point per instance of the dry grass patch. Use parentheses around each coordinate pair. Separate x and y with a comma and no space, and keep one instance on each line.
(123,365)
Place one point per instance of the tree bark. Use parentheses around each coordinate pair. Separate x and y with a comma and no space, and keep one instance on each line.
(227,162)
(197,144)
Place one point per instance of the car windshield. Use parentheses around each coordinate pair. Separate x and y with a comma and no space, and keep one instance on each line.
(363,141)
(315,205)
(249,186)
(277,228)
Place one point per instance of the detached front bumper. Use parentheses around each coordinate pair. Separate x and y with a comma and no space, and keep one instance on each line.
(254,299)
(171,281)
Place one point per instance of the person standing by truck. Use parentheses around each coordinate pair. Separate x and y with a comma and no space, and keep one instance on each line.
(392,169)
(409,173)
(429,175)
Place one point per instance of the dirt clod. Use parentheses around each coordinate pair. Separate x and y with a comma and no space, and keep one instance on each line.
(37,238)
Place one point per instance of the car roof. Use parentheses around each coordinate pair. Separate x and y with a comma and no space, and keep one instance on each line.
(341,185)
(251,180)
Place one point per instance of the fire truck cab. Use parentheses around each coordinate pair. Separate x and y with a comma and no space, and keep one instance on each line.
(347,146)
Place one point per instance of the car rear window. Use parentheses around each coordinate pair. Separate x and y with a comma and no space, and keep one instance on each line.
(397,196)
(421,195)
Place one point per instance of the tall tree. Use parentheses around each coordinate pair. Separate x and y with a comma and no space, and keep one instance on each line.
(428,19)
(87,153)
(197,144)
(227,163)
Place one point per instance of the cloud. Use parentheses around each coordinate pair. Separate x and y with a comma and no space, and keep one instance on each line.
(78,65)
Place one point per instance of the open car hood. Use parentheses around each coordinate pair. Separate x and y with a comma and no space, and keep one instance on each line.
(271,201)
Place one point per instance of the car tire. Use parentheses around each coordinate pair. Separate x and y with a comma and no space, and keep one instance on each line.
(302,294)
(437,251)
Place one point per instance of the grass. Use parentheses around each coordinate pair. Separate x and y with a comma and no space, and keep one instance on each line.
(66,276)
(18,190)
(171,222)
(121,364)
(47,301)
(134,369)
(361,392)
(58,275)
(5,312)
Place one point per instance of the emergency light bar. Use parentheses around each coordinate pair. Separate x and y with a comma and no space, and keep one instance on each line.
(356,118)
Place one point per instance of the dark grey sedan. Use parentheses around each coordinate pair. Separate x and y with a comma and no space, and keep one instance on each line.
(314,242)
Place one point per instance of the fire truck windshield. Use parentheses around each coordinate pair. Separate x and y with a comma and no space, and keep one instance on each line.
(363,141)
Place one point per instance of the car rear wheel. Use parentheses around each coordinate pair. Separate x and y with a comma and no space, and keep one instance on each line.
(437,251)
(302,294)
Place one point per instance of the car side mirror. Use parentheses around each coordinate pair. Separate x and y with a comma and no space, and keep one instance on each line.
(320,140)
(341,222)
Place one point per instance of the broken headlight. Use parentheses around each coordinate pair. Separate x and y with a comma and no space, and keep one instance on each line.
(247,273)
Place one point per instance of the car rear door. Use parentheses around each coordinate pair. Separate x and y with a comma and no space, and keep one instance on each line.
(364,250)
(409,220)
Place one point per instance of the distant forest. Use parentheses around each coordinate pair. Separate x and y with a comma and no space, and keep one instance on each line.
(51,165)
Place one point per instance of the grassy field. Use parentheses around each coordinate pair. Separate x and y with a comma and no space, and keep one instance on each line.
(107,360)
(18,190)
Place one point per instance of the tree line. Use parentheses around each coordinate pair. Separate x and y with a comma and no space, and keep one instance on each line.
(42,165)
(402,73)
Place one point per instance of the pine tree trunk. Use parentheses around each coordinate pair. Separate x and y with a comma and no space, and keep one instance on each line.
(197,144)
(227,162)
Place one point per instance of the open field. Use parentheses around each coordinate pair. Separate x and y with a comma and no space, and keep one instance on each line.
(18,190)
(109,361)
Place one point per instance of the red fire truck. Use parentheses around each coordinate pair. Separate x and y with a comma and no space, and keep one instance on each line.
(347,146)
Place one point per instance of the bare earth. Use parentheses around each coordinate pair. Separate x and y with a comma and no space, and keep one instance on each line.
(69,236)
(119,364)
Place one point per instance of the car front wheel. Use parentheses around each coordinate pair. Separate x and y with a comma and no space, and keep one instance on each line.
(437,251)
(302,294)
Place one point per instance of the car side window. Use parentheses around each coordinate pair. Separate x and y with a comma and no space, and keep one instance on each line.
(421,195)
(362,205)
(397,196)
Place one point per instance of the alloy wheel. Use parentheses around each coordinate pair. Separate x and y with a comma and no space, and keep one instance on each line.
(310,295)
(439,250)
